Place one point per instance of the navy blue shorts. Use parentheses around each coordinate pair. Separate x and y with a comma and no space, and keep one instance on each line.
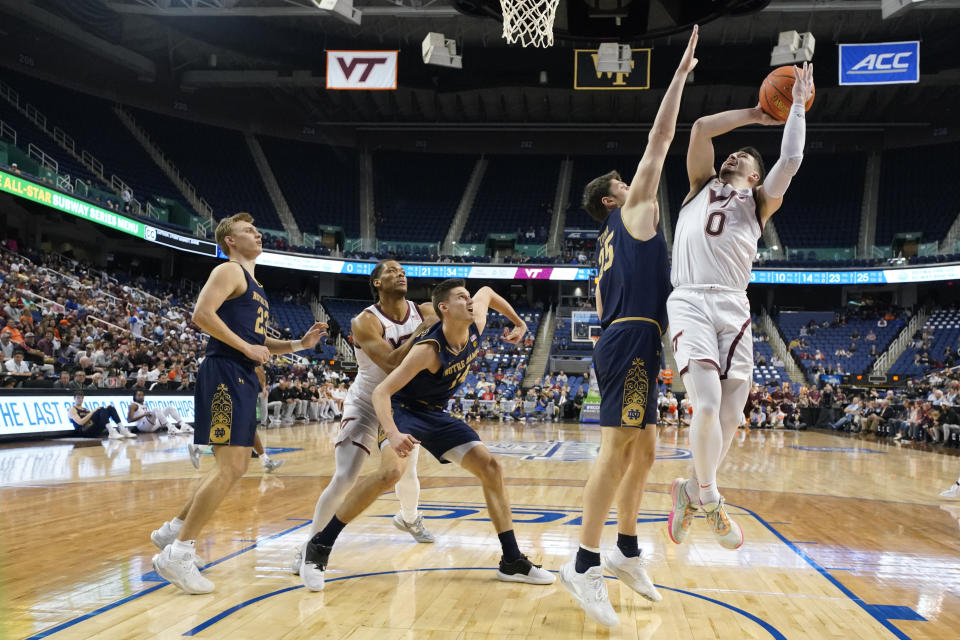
(226,403)
(437,430)
(626,360)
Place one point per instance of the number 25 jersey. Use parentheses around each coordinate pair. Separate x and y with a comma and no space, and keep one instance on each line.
(716,237)
(248,315)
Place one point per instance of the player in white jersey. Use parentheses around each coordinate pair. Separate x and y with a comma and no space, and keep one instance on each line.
(713,249)
(149,420)
(381,338)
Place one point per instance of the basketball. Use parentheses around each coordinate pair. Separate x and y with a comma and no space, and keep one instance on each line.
(776,93)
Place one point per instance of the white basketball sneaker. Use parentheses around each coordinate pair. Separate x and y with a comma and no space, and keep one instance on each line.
(415,528)
(632,573)
(164,537)
(681,513)
(953,493)
(590,591)
(315,558)
(181,571)
(727,532)
(185,428)
(297,560)
(522,570)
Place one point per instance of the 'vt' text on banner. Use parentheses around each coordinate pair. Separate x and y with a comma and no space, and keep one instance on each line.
(367,70)
(880,63)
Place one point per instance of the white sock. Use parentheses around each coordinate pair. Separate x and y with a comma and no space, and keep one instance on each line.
(264,458)
(176,524)
(408,489)
(709,493)
(692,489)
(182,547)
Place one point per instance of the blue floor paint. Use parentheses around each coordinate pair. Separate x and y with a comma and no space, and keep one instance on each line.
(766,626)
(148,590)
(882,613)
(878,612)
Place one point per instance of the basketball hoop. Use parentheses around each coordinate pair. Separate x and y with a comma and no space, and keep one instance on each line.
(529,22)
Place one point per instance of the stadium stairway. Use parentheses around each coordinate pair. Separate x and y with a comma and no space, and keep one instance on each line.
(560,203)
(898,345)
(166,165)
(780,348)
(541,349)
(466,205)
(273,190)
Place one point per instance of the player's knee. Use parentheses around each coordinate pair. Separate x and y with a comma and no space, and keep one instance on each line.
(390,475)
(491,471)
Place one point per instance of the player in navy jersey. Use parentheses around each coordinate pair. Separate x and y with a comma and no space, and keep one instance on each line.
(633,283)
(420,386)
(232,307)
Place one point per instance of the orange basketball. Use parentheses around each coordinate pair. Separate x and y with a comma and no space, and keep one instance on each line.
(776,93)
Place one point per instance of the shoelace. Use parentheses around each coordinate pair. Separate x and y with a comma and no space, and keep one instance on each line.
(721,524)
(597,586)
(687,519)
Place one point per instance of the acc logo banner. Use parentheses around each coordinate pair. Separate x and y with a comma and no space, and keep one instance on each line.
(880,63)
(369,70)
(586,76)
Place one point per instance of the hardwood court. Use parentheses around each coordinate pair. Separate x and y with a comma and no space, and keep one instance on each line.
(844,539)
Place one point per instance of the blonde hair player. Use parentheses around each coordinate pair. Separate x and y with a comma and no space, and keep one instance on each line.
(232,308)
(715,241)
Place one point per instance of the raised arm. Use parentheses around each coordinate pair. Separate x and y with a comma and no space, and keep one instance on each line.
(421,356)
(367,334)
(643,188)
(488,298)
(700,153)
(791,148)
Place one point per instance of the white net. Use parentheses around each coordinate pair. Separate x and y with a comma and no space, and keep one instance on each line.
(529,22)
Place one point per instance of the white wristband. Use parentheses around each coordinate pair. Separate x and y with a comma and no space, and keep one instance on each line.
(296,345)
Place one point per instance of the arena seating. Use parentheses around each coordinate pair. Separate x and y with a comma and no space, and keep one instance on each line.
(944,327)
(318,181)
(822,207)
(29,133)
(217,162)
(297,318)
(95,128)
(765,374)
(515,194)
(919,191)
(416,194)
(829,340)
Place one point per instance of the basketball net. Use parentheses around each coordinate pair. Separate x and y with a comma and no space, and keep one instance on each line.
(529,22)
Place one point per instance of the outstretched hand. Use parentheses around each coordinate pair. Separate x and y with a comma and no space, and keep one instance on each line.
(515,335)
(313,335)
(803,85)
(688,62)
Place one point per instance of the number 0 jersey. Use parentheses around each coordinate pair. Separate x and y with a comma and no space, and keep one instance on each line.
(432,390)
(247,316)
(716,237)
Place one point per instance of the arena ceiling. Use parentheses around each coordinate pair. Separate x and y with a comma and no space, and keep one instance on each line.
(184,46)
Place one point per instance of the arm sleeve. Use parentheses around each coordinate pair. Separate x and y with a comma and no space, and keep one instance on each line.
(791,153)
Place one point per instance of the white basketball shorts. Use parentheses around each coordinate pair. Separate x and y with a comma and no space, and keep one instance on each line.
(712,326)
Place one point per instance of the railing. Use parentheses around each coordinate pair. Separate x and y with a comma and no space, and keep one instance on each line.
(64,182)
(38,118)
(8,132)
(10,94)
(899,344)
(46,302)
(64,140)
(40,156)
(95,165)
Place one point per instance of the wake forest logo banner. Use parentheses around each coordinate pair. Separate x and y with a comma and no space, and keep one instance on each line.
(587,78)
